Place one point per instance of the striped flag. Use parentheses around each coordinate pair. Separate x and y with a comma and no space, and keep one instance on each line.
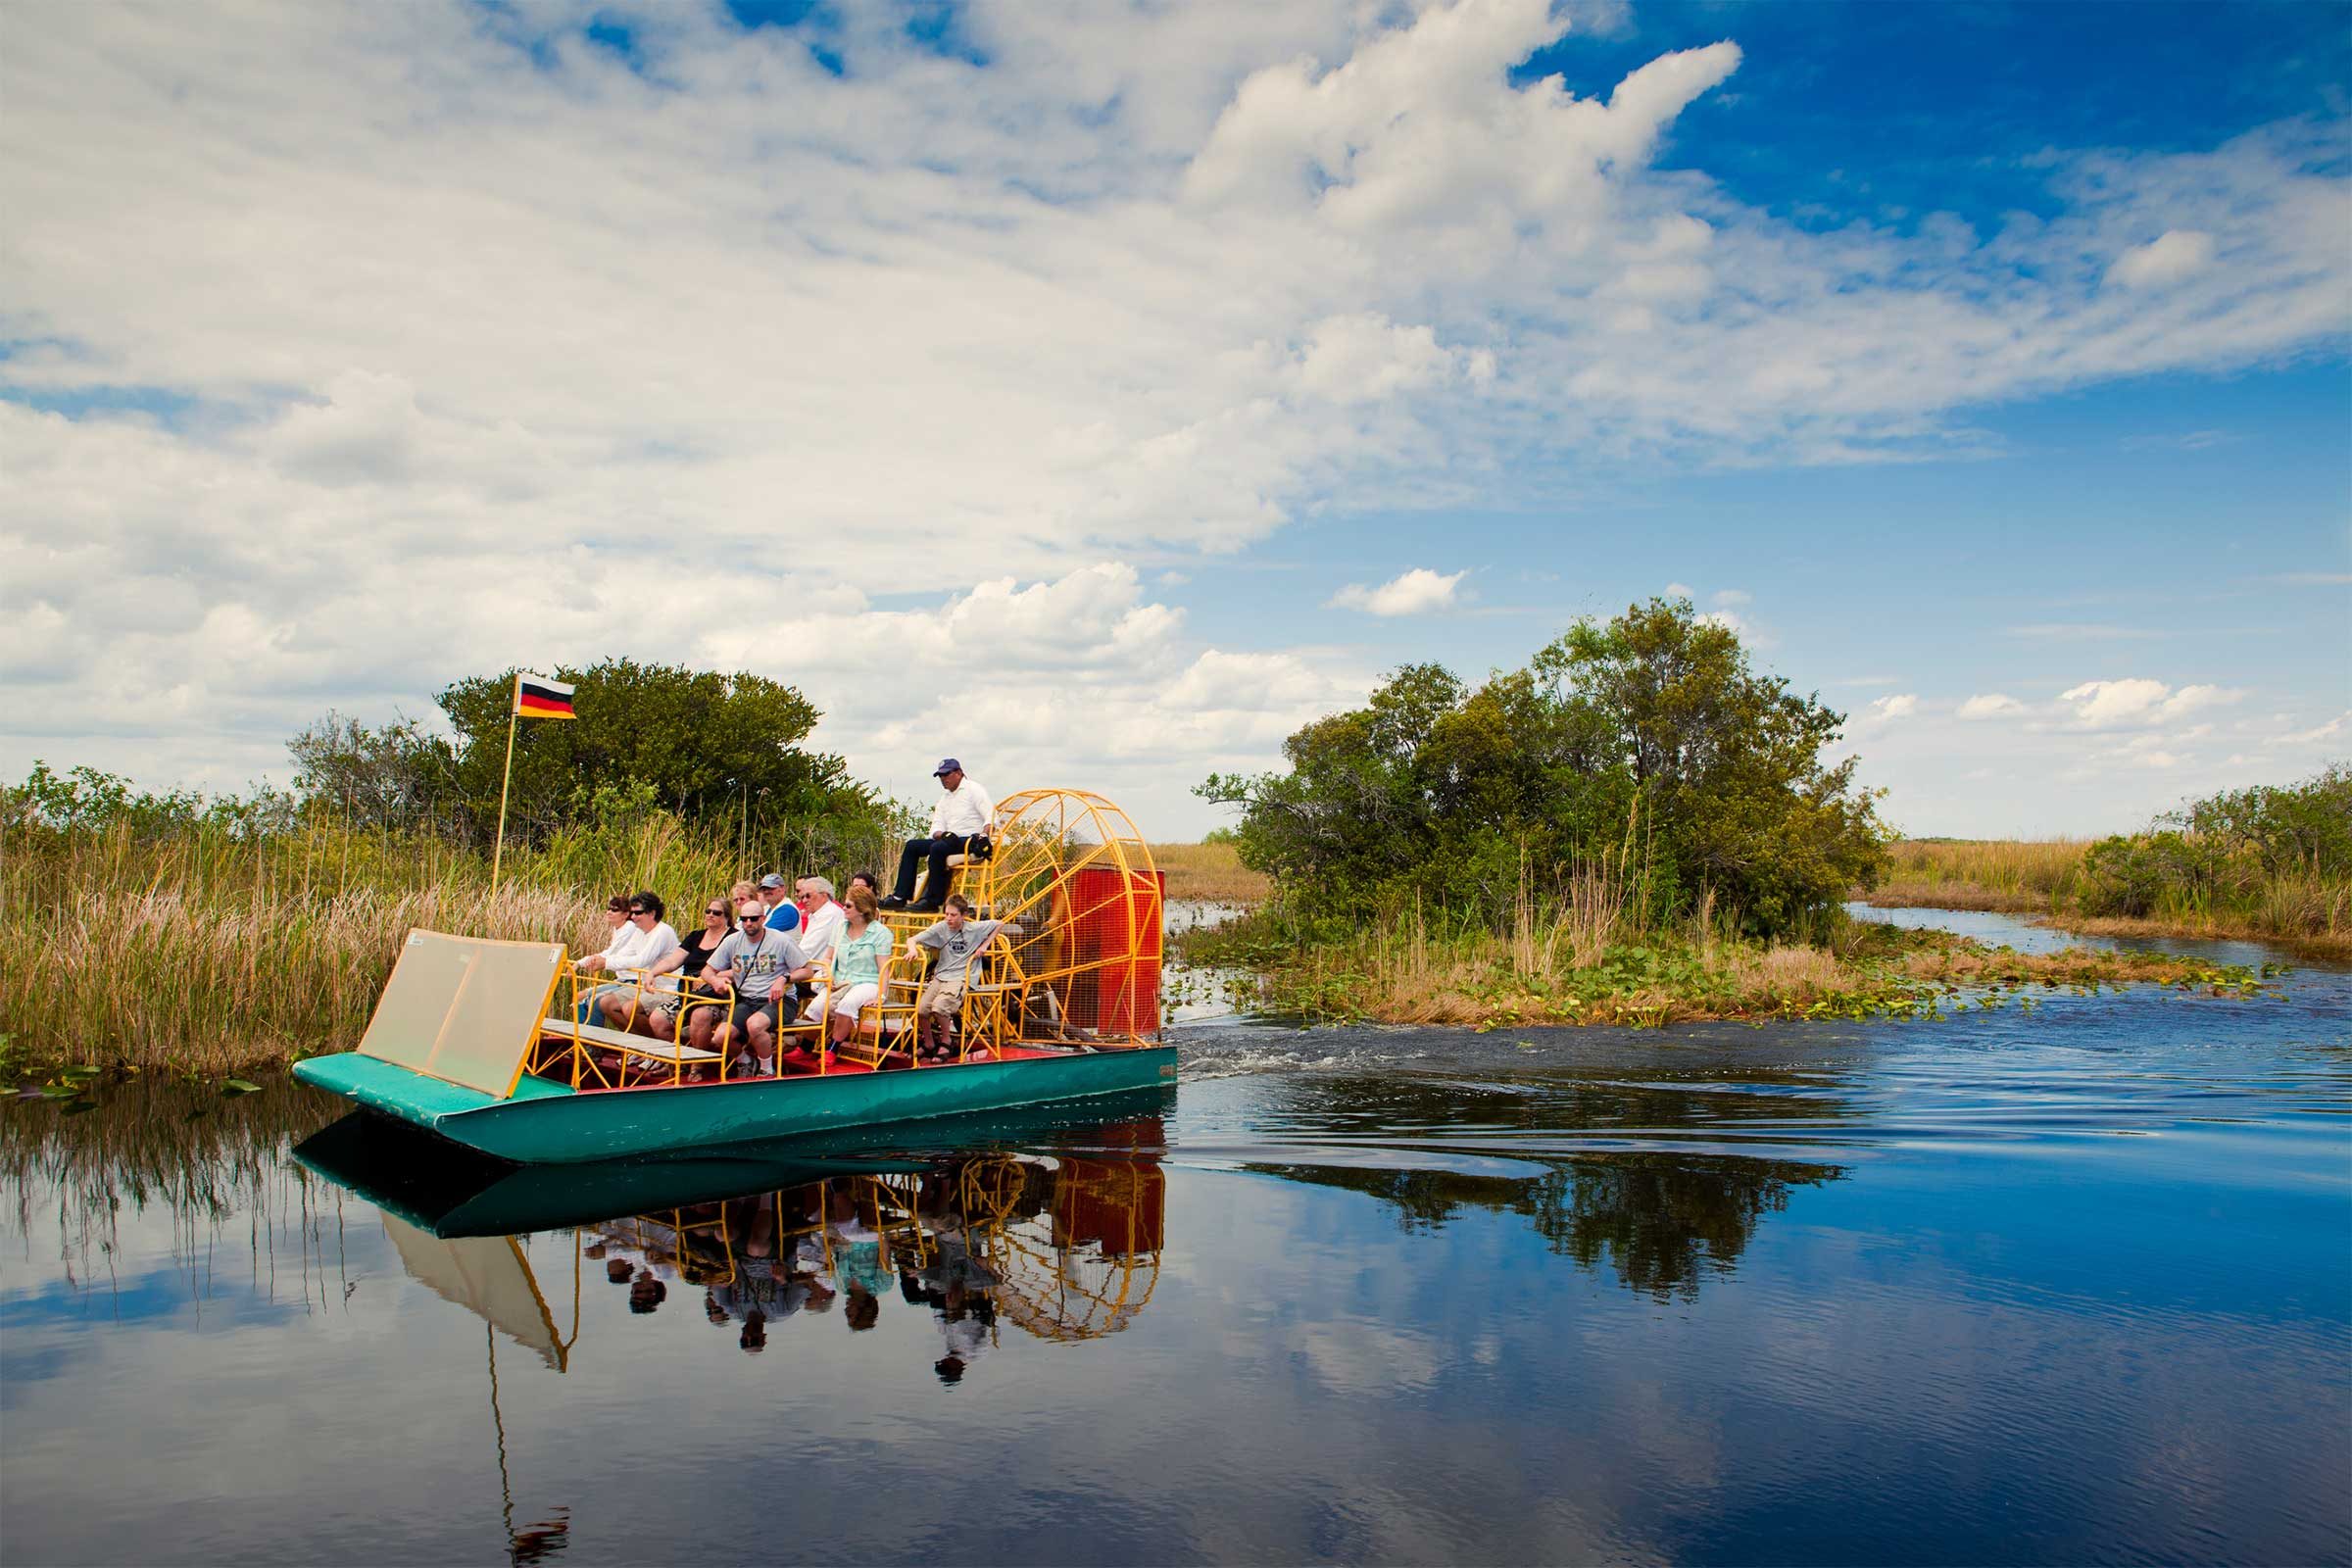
(537,697)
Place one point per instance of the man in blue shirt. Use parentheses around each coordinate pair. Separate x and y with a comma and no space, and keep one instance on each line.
(782,913)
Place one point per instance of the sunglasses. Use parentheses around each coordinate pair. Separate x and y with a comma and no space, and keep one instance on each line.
(748,919)
(721,913)
(641,912)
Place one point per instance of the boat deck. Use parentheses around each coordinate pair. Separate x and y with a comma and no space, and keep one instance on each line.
(660,1074)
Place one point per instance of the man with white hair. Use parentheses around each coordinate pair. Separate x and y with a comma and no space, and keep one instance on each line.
(821,915)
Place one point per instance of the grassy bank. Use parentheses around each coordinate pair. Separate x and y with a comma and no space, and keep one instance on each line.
(1210,874)
(206,952)
(2064,882)
(1571,964)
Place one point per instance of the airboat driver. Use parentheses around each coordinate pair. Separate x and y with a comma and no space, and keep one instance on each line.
(961,816)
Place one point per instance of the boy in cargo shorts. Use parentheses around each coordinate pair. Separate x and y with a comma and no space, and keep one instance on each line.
(958,938)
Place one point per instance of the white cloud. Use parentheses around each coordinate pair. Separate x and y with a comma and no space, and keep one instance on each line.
(1414,593)
(2318,732)
(2189,698)
(1755,637)
(1678,590)
(1991,704)
(1362,359)
(1901,705)
(2169,258)
(1733,598)
(2104,704)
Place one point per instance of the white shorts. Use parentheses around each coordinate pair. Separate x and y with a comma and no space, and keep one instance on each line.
(855,999)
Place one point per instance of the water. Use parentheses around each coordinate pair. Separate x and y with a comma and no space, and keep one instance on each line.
(2074,1285)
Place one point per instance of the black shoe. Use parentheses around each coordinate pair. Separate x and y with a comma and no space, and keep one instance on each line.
(893,902)
(922,909)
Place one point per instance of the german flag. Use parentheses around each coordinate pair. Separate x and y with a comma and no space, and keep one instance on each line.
(537,697)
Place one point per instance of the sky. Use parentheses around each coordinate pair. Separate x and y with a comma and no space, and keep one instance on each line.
(1098,391)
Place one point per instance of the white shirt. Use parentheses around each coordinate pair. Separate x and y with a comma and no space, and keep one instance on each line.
(633,949)
(820,931)
(963,810)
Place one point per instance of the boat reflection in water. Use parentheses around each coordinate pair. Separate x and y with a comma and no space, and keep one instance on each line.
(1060,1245)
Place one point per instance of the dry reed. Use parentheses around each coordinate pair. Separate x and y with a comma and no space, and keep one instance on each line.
(2046,877)
(1210,874)
(1588,957)
(204,952)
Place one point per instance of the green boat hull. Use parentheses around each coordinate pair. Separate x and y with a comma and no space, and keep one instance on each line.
(549,1124)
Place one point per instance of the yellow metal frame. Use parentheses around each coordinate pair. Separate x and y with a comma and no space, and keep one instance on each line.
(582,1070)
(1043,838)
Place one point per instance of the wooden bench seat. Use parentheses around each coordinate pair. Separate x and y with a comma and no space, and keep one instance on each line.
(564,1029)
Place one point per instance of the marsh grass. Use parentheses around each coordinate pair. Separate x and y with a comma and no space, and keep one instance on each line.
(204,952)
(1210,874)
(1590,956)
(2012,875)
(2046,877)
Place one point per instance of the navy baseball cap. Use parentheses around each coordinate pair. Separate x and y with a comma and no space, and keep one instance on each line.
(946,765)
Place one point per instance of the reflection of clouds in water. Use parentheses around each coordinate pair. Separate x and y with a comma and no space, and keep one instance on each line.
(1359,1358)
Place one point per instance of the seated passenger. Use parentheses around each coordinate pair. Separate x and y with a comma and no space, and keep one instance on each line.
(682,971)
(821,916)
(617,930)
(857,959)
(782,913)
(761,967)
(960,817)
(958,938)
(649,941)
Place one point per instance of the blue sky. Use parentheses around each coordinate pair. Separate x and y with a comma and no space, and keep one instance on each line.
(1103,392)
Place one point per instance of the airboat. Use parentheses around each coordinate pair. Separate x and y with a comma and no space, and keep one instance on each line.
(481,1041)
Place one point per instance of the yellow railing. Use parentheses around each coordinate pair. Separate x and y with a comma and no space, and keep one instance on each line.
(590,1056)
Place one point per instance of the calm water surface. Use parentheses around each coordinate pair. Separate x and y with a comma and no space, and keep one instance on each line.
(2073,1285)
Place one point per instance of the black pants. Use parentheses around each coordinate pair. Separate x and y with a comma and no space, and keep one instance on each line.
(912,855)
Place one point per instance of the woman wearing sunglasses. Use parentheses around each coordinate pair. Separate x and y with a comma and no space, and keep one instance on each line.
(679,974)
(631,956)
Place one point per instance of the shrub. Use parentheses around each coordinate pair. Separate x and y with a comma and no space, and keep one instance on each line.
(1648,738)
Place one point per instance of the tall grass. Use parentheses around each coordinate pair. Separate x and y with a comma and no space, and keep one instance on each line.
(1210,874)
(1594,951)
(1597,953)
(2054,877)
(2036,876)
(207,950)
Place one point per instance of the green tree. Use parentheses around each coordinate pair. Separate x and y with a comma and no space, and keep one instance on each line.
(708,747)
(401,776)
(1651,731)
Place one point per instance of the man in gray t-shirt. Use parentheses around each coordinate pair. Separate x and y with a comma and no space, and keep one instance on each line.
(957,939)
(762,966)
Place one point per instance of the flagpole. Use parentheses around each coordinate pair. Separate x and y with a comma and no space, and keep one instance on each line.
(498,853)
